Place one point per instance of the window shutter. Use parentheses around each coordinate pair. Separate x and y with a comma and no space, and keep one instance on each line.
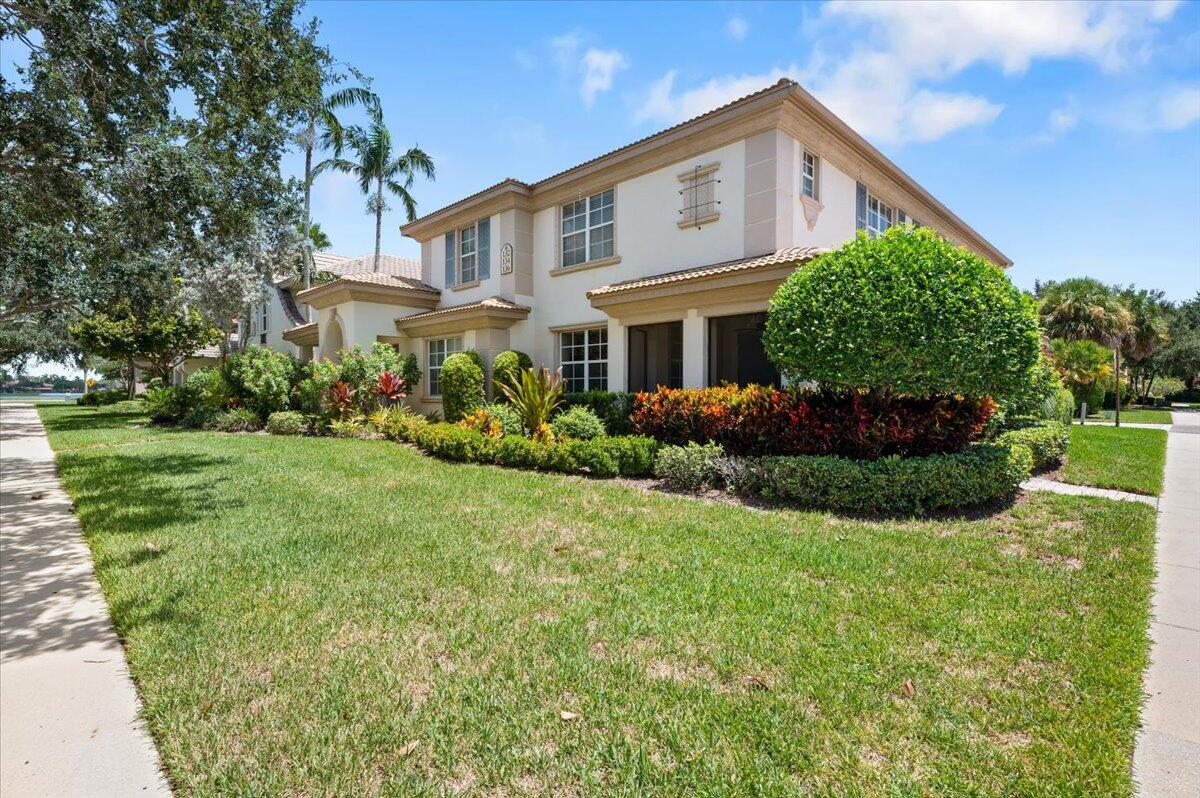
(861,223)
(450,260)
(483,248)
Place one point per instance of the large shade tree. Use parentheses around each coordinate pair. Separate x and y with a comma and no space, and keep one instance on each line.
(103,173)
(1084,309)
(378,166)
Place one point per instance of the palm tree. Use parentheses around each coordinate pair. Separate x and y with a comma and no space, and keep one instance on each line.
(322,128)
(1149,332)
(1083,309)
(379,167)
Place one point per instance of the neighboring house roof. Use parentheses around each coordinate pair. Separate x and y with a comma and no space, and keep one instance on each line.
(784,90)
(214,352)
(388,264)
(783,256)
(380,278)
(289,305)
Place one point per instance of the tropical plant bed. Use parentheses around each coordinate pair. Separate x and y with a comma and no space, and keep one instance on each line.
(1118,458)
(321,616)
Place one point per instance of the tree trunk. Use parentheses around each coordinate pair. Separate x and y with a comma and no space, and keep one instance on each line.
(1117,382)
(132,379)
(306,247)
(378,219)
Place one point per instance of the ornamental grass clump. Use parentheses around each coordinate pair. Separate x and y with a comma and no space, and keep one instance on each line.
(535,396)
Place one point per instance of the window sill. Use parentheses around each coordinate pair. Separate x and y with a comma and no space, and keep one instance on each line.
(709,219)
(432,399)
(464,286)
(591,264)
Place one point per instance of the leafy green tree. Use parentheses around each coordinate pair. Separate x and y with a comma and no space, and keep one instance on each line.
(1180,358)
(99,161)
(159,338)
(378,167)
(906,313)
(1084,309)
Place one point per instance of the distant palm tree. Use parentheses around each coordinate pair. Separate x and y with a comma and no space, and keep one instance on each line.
(1084,309)
(322,128)
(378,167)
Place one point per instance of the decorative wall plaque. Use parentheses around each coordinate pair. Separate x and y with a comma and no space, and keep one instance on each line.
(506,259)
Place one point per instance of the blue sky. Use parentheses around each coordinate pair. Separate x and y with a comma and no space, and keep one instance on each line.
(1066,133)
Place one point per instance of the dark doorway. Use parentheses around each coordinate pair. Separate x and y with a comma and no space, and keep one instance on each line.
(735,351)
(656,356)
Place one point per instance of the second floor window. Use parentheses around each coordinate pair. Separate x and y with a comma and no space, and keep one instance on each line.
(699,195)
(587,229)
(811,176)
(468,254)
(874,215)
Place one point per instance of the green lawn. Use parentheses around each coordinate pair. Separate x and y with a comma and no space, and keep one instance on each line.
(341,617)
(1137,416)
(1125,459)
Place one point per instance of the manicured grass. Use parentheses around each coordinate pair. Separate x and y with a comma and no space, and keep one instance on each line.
(1125,459)
(1137,416)
(341,617)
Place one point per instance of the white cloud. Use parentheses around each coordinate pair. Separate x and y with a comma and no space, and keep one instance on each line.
(1172,108)
(942,38)
(565,46)
(661,105)
(526,60)
(885,85)
(1178,108)
(1058,123)
(737,28)
(598,68)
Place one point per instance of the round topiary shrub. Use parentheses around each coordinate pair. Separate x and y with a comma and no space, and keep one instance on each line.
(462,386)
(577,422)
(506,369)
(908,313)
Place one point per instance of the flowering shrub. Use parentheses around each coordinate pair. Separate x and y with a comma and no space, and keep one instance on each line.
(757,420)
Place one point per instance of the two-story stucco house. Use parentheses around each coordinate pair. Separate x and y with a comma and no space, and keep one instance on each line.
(649,265)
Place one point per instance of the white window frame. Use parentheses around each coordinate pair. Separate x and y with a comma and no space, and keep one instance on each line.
(810,175)
(878,209)
(594,204)
(586,360)
(446,347)
(464,254)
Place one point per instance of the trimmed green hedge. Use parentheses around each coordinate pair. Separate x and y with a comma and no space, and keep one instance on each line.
(612,407)
(287,422)
(1047,442)
(605,456)
(981,473)
(462,385)
(506,368)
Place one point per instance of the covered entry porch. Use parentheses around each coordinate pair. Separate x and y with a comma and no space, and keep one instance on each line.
(694,327)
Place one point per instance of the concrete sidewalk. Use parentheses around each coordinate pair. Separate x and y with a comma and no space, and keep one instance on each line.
(1166,761)
(70,725)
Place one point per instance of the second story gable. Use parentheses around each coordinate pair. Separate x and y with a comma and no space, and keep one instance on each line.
(764,173)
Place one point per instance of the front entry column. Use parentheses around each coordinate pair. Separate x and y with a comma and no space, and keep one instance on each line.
(694,356)
(618,349)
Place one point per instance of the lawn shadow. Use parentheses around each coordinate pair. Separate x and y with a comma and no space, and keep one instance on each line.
(49,601)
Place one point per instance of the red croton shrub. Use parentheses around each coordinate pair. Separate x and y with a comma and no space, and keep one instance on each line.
(756,420)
